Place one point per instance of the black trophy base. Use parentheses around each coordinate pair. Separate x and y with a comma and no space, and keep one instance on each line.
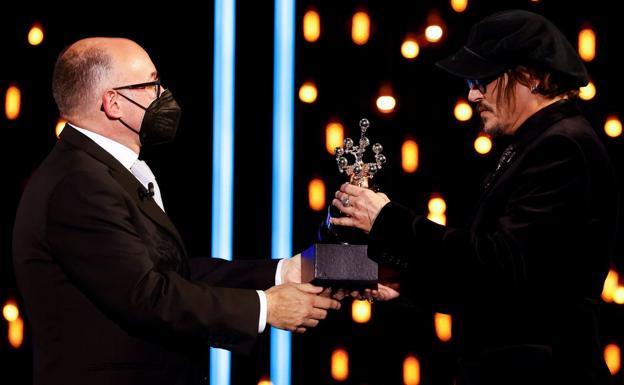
(339,266)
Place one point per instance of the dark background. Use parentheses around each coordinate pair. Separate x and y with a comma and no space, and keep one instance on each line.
(179,38)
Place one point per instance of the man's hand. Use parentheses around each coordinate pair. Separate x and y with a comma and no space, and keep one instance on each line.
(382,293)
(291,269)
(361,206)
(296,307)
(385,293)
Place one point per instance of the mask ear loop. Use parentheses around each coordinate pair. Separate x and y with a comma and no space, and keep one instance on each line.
(121,120)
(138,105)
(132,101)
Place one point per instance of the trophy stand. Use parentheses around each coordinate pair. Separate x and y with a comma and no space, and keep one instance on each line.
(340,258)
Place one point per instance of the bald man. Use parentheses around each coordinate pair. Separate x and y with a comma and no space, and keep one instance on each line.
(109,292)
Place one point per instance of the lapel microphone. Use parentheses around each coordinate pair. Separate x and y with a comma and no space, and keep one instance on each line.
(149,193)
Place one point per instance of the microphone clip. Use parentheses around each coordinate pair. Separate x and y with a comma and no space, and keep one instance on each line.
(147,193)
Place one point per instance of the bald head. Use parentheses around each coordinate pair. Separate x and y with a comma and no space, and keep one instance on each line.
(90,66)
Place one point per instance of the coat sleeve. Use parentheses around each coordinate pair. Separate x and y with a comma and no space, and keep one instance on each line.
(246,274)
(444,264)
(91,234)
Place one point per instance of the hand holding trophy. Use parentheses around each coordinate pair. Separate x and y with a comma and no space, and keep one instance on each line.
(359,174)
(340,258)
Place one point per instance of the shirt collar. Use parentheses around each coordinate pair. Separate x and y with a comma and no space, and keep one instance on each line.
(123,154)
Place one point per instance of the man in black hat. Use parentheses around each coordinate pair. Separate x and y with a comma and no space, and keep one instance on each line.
(523,283)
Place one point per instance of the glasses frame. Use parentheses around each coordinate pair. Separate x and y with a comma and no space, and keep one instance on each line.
(143,85)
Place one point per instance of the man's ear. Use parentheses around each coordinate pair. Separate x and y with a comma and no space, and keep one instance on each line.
(110,105)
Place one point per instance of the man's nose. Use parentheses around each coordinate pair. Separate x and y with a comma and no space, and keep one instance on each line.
(474,95)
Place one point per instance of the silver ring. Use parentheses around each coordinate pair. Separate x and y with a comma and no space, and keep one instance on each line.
(345,201)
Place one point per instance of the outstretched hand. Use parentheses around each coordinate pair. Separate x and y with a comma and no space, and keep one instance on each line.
(296,307)
(382,293)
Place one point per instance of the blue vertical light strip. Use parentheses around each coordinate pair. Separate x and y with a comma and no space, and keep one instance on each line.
(223,156)
(283,133)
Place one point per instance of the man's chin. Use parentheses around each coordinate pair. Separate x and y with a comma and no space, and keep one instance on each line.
(491,131)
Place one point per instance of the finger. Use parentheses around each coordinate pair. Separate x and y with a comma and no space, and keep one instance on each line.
(338,203)
(388,293)
(318,314)
(345,199)
(378,295)
(349,210)
(341,196)
(300,330)
(343,221)
(356,294)
(310,323)
(350,189)
(389,285)
(309,288)
(326,303)
(327,292)
(339,294)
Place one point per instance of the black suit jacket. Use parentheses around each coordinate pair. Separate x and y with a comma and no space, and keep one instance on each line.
(109,291)
(525,280)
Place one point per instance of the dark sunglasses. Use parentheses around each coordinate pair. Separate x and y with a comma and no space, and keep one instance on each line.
(480,84)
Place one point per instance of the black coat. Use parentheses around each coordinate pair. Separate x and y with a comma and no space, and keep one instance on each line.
(523,283)
(109,292)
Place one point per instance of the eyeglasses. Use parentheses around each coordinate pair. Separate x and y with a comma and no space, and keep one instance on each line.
(480,84)
(154,85)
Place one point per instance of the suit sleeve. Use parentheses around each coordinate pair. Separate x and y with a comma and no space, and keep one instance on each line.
(246,274)
(445,264)
(92,236)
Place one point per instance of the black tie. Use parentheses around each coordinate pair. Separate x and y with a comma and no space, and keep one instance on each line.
(504,160)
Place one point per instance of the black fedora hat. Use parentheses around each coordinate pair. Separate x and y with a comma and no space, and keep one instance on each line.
(515,37)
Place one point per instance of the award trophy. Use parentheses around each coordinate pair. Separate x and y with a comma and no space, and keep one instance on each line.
(340,258)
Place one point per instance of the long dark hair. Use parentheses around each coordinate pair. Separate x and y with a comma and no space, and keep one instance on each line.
(547,85)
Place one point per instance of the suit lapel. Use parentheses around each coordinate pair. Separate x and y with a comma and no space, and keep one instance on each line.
(125,178)
(147,204)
